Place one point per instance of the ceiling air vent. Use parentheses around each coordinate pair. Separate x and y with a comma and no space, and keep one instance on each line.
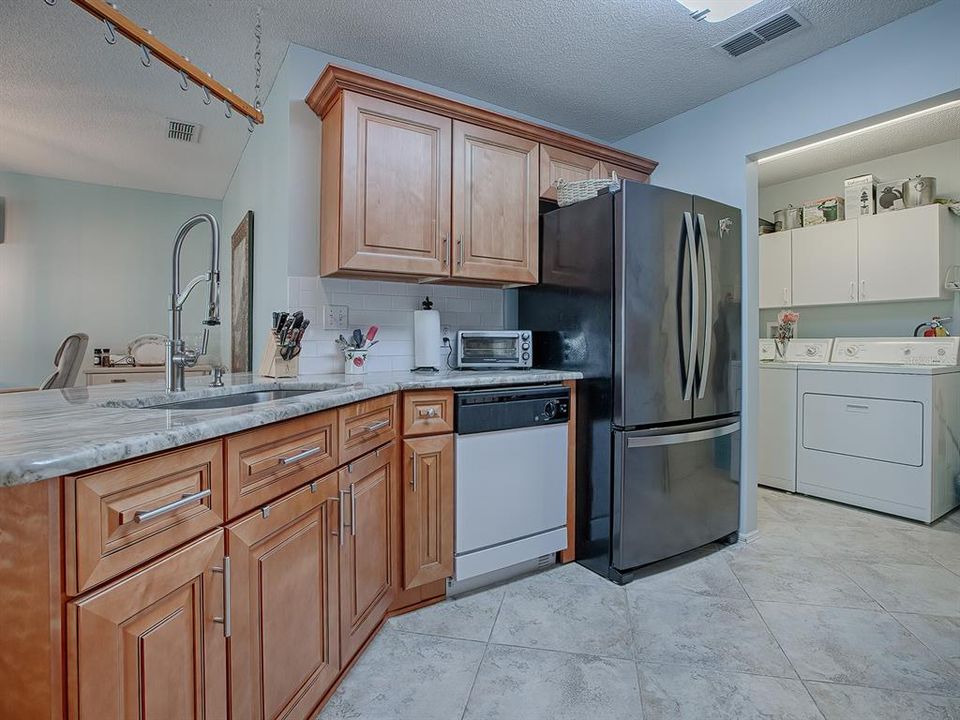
(763,32)
(182,131)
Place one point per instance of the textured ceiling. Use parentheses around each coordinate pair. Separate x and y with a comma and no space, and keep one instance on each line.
(72,106)
(937,127)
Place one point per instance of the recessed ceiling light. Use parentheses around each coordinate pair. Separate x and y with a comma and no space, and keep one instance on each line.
(716,10)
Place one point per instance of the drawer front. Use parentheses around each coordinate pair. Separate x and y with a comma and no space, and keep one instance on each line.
(122,516)
(265,463)
(366,425)
(428,412)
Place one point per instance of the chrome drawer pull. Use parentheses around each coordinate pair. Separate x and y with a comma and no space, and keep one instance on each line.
(300,455)
(429,412)
(144,516)
(225,619)
(353,510)
(413,475)
(377,426)
(340,504)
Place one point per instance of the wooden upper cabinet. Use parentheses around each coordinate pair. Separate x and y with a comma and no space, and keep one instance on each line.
(285,645)
(495,205)
(149,646)
(558,164)
(624,173)
(387,167)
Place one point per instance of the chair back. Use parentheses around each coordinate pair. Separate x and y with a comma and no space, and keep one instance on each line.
(67,362)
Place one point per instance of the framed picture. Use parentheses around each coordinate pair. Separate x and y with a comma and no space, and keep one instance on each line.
(241,296)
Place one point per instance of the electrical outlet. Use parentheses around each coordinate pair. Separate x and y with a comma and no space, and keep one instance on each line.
(445,331)
(336,317)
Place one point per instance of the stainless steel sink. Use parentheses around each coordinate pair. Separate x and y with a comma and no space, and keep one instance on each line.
(234,400)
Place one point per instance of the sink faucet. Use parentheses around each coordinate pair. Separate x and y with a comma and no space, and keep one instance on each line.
(179,357)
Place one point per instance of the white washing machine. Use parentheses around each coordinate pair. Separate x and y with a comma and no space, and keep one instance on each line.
(879,427)
(777,461)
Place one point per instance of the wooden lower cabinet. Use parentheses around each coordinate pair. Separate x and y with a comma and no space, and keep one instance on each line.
(427,509)
(149,646)
(285,644)
(370,544)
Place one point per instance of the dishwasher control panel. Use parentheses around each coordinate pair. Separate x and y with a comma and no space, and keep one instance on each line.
(508,408)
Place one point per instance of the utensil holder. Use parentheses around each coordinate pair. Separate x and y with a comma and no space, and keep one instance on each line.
(272,365)
(354,361)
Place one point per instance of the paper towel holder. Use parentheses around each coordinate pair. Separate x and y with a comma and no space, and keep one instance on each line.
(426,338)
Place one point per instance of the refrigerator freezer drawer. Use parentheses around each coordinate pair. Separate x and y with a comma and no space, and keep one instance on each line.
(872,428)
(674,492)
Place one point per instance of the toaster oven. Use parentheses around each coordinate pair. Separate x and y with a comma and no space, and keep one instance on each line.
(486,349)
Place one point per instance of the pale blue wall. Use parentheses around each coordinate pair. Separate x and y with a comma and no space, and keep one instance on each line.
(705,150)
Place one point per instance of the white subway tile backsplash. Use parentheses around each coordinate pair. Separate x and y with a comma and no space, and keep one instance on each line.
(389,305)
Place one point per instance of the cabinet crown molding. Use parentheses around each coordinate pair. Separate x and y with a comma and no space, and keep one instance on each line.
(335,79)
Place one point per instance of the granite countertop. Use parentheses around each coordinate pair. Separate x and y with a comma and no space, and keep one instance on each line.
(48,433)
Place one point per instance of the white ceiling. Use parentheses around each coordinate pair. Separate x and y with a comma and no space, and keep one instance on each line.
(871,144)
(71,106)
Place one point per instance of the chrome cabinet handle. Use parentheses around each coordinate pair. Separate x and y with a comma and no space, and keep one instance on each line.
(340,504)
(853,290)
(460,250)
(353,510)
(708,321)
(413,475)
(443,249)
(429,412)
(377,426)
(786,300)
(863,289)
(145,515)
(300,455)
(225,619)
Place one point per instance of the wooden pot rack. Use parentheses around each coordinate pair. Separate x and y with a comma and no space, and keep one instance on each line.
(115,20)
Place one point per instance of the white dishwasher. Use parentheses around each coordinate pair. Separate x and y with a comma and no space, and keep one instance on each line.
(511,477)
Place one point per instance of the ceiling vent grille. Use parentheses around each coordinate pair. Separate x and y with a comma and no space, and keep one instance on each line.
(181,131)
(763,32)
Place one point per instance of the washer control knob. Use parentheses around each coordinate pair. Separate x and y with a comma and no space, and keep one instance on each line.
(907,351)
(850,350)
(811,351)
(941,351)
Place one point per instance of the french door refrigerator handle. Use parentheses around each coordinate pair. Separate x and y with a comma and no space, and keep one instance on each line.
(694,304)
(684,437)
(708,290)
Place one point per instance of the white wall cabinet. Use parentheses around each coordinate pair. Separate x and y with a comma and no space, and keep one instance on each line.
(825,263)
(775,270)
(893,256)
(904,254)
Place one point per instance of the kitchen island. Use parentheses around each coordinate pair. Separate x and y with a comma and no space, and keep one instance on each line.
(152,558)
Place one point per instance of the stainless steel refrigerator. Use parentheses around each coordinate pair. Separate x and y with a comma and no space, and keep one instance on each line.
(640,291)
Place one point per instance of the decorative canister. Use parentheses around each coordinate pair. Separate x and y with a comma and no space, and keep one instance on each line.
(354,361)
(790,218)
(919,191)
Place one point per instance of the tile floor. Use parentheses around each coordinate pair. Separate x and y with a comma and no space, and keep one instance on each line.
(831,613)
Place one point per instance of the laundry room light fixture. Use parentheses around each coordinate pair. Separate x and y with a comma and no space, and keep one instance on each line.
(716,10)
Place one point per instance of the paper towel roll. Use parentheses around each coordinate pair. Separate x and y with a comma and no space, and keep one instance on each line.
(426,339)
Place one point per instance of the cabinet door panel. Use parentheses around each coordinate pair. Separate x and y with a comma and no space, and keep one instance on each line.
(775,270)
(825,263)
(557,164)
(395,188)
(147,646)
(427,510)
(900,254)
(495,205)
(624,173)
(285,643)
(370,553)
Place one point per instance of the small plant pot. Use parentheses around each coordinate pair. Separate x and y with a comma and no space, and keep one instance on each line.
(354,362)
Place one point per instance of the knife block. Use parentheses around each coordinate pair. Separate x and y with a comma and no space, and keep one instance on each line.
(272,365)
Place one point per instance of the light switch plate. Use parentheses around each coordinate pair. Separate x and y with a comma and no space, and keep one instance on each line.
(336,317)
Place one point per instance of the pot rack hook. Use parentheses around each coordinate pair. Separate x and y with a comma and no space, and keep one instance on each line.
(249,124)
(144,55)
(109,35)
(206,95)
(227,110)
(184,85)
(51,3)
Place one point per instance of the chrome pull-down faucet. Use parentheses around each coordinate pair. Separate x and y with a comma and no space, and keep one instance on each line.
(179,357)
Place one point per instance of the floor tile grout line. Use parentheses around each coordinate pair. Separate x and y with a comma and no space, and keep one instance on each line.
(775,638)
(466,704)
(813,699)
(936,654)
(497,616)
(932,693)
